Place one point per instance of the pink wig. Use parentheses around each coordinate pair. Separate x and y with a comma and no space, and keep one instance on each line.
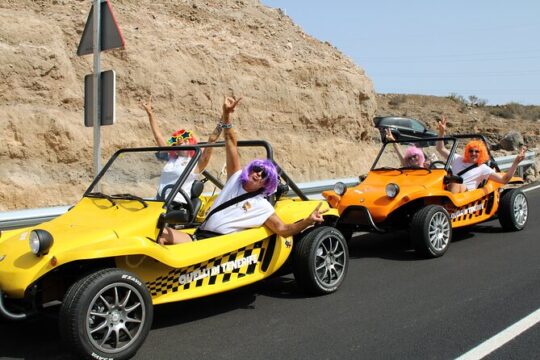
(413,150)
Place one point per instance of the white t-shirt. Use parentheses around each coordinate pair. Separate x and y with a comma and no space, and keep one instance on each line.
(249,213)
(170,174)
(473,177)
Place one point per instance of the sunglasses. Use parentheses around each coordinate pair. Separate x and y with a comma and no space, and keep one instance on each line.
(413,157)
(474,151)
(180,138)
(260,170)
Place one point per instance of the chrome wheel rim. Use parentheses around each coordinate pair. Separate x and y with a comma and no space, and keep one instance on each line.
(330,261)
(521,210)
(439,231)
(115,318)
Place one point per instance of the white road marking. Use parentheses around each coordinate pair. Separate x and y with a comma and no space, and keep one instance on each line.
(502,338)
(531,188)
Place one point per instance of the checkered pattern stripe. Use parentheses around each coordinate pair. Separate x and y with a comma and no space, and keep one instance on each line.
(468,211)
(215,272)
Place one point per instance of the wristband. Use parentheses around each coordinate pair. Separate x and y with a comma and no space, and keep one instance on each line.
(225,126)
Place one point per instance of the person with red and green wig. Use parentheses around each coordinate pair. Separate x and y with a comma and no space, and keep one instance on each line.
(176,161)
(475,153)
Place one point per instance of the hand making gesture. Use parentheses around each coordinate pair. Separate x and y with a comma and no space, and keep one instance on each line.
(148,105)
(441,125)
(316,215)
(229,103)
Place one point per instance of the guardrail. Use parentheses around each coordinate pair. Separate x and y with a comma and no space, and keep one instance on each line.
(29,217)
(505,162)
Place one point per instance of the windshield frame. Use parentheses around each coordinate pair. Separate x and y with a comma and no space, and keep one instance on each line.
(452,151)
(198,149)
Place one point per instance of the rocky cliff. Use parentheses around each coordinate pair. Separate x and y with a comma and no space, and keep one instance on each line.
(304,96)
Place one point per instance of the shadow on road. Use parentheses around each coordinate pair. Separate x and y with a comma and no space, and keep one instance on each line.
(391,246)
(39,338)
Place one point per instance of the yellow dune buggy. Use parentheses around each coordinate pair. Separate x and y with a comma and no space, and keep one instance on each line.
(395,196)
(101,264)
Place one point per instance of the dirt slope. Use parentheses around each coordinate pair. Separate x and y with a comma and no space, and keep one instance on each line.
(309,100)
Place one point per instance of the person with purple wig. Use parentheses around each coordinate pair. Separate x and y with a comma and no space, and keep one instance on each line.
(260,179)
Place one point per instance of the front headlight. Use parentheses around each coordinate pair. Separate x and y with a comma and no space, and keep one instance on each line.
(40,242)
(340,188)
(392,190)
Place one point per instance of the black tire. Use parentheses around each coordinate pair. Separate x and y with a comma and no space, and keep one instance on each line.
(513,210)
(431,231)
(321,259)
(121,300)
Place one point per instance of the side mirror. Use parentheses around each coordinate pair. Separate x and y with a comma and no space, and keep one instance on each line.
(176,217)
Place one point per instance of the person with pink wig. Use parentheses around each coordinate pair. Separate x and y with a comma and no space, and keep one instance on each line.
(475,153)
(413,157)
(260,179)
(176,161)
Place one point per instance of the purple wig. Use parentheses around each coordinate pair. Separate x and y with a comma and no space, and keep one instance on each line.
(271,180)
(413,150)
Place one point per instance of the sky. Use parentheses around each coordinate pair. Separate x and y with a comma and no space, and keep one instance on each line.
(487,49)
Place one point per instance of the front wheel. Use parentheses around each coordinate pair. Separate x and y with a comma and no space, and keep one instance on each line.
(431,231)
(321,259)
(513,210)
(106,314)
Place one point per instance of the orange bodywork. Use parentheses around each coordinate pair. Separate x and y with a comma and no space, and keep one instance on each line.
(422,187)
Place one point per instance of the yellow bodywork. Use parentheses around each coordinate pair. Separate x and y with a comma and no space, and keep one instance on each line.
(96,229)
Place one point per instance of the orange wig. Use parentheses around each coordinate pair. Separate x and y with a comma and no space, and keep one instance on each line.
(479,145)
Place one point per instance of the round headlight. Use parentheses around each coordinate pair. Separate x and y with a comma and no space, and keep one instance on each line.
(40,242)
(340,188)
(392,190)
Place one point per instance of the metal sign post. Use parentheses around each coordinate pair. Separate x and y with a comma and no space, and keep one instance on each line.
(101,32)
(96,100)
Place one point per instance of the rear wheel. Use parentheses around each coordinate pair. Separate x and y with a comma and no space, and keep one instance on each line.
(513,210)
(431,231)
(106,314)
(321,259)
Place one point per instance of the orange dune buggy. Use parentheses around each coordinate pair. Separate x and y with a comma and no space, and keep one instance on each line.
(398,197)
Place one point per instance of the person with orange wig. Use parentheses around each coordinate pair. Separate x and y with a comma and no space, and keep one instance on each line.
(472,165)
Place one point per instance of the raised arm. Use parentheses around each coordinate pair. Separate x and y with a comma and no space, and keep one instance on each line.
(231,147)
(207,152)
(441,125)
(504,179)
(388,136)
(228,107)
(160,141)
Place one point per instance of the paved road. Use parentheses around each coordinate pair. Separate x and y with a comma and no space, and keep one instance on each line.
(391,306)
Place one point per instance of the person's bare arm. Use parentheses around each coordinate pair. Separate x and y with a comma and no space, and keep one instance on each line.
(160,141)
(231,147)
(390,137)
(207,152)
(277,226)
(229,105)
(441,125)
(504,179)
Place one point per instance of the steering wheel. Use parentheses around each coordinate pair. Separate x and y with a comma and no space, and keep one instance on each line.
(188,204)
(432,165)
